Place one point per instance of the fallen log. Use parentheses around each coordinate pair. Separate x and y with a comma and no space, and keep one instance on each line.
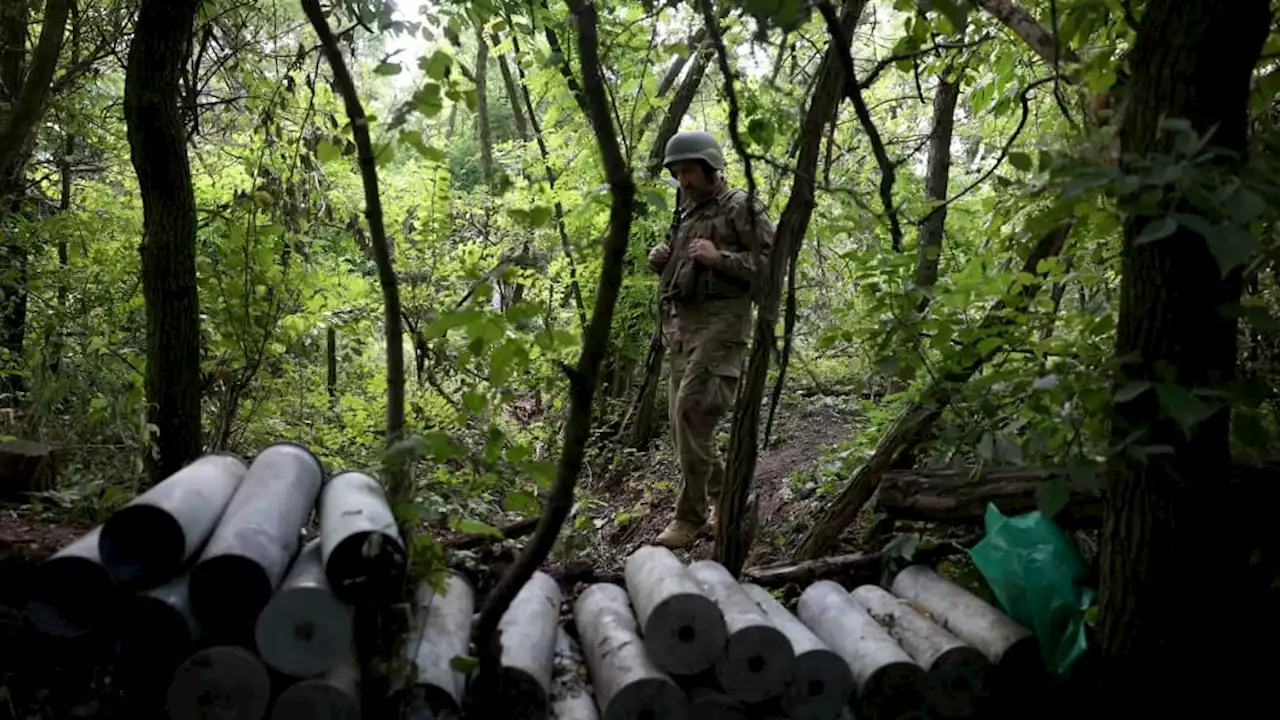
(333,696)
(74,593)
(571,698)
(304,630)
(853,568)
(527,635)
(364,556)
(962,495)
(443,632)
(758,658)
(889,682)
(222,681)
(683,629)
(1008,645)
(821,682)
(250,550)
(155,534)
(958,674)
(628,684)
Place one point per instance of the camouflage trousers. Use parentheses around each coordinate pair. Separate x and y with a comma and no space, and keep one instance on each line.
(701,392)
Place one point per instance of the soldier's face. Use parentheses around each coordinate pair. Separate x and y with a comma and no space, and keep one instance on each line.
(693,178)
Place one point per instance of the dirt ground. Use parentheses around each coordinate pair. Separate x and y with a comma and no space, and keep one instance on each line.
(630,505)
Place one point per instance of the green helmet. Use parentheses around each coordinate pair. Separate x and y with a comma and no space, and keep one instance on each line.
(694,145)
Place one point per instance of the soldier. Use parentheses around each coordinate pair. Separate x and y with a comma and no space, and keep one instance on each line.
(717,269)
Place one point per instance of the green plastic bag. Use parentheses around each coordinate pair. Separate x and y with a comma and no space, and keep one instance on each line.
(1035,572)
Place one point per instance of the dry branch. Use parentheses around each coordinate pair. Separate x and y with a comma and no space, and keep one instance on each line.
(962,496)
(582,379)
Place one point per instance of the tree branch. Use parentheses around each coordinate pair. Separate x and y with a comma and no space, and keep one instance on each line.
(884,64)
(15,139)
(730,94)
(853,91)
(582,379)
(397,484)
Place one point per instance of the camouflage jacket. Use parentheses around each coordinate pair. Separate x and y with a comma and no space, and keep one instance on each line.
(702,305)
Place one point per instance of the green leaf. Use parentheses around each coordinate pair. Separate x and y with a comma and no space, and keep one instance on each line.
(475,527)
(1157,230)
(1245,206)
(445,323)
(385,154)
(1020,160)
(327,151)
(761,131)
(475,400)
(1232,246)
(1052,497)
(956,12)
(504,357)
(520,501)
(1184,407)
(437,65)
(388,68)
(464,664)
(1131,391)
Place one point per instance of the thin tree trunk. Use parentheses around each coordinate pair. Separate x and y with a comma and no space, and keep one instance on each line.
(937,178)
(734,531)
(331,364)
(1167,530)
(25,88)
(575,288)
(158,147)
(482,109)
(583,378)
(513,95)
(679,106)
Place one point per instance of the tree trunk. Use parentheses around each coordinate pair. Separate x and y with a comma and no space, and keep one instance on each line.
(678,108)
(158,147)
(733,532)
(513,95)
(24,88)
(929,251)
(1167,531)
(331,364)
(482,109)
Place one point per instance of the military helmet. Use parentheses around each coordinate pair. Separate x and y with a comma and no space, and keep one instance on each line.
(694,145)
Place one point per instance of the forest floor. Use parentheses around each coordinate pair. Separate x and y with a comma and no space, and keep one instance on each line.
(629,506)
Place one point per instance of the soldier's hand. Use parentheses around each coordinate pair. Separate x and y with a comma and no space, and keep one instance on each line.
(705,252)
(659,255)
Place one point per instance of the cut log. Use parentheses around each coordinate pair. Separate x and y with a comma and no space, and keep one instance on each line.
(527,634)
(1008,645)
(571,697)
(889,683)
(684,630)
(26,466)
(335,696)
(807,571)
(150,538)
(821,682)
(364,556)
(443,632)
(220,682)
(962,496)
(958,674)
(304,630)
(74,593)
(250,550)
(758,658)
(711,704)
(628,685)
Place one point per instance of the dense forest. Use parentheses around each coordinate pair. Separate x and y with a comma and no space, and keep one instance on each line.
(1014,240)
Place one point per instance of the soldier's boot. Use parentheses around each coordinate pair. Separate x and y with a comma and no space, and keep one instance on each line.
(679,534)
